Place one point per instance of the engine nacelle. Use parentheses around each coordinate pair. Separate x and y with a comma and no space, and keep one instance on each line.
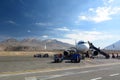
(65,53)
(82,47)
(95,53)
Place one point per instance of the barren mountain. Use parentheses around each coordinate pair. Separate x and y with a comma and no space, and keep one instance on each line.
(114,46)
(32,45)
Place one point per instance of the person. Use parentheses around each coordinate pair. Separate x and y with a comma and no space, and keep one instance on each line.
(117,56)
(60,55)
(113,56)
(87,55)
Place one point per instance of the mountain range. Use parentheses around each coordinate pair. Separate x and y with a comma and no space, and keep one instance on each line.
(114,46)
(32,45)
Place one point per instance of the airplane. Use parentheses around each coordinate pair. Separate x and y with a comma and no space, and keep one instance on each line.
(83,47)
(75,54)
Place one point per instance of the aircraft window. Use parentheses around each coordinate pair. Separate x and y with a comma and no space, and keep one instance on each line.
(81,42)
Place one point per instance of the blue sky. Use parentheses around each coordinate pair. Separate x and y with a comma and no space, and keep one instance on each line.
(65,20)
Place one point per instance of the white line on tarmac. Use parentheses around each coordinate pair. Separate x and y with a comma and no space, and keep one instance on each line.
(114,74)
(43,78)
(30,78)
(64,74)
(96,78)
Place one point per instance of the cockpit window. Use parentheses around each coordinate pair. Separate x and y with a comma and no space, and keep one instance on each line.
(81,42)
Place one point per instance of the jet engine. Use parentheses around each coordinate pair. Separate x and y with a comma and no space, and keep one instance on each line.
(95,53)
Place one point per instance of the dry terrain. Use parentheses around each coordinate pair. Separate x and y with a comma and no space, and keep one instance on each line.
(31,53)
(27,53)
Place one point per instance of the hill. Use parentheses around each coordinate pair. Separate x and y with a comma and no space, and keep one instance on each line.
(32,45)
(114,46)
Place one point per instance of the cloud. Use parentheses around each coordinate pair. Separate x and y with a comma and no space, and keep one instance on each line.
(100,14)
(86,36)
(45,36)
(110,1)
(11,22)
(107,2)
(43,24)
(29,31)
(62,29)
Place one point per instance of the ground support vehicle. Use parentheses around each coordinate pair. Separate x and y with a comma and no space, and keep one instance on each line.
(74,58)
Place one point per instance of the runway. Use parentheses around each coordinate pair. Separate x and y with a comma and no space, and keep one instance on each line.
(97,69)
(99,72)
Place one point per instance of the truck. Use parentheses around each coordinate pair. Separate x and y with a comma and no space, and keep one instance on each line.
(67,55)
(58,58)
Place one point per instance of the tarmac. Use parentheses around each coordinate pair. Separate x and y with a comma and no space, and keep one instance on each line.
(28,63)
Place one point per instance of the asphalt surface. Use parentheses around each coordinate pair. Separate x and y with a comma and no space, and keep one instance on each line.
(111,72)
(24,63)
(29,68)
